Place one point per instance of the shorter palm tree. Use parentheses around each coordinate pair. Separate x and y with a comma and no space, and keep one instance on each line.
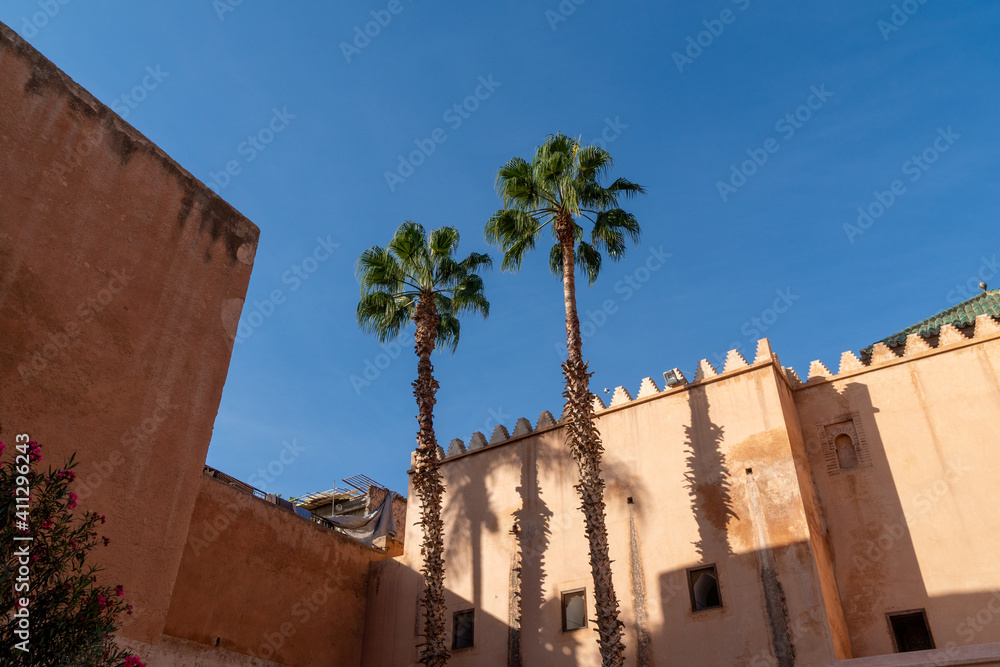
(417,279)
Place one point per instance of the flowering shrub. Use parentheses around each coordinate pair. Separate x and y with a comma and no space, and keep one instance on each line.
(71,620)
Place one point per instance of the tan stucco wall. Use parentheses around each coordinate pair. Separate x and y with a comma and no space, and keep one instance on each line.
(174,652)
(981,655)
(731,423)
(917,529)
(121,282)
(261,581)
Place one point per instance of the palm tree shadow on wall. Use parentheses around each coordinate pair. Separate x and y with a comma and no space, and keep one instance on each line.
(532,533)
(532,606)
(469,492)
(707,479)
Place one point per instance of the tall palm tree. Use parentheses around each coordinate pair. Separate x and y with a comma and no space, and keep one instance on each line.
(559,189)
(417,279)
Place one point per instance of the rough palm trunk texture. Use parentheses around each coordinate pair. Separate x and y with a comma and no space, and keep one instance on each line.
(514,604)
(427,483)
(585,445)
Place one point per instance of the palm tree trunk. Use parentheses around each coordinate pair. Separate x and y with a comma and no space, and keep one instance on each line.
(427,483)
(585,444)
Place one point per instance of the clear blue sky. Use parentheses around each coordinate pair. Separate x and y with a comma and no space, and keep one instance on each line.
(882,91)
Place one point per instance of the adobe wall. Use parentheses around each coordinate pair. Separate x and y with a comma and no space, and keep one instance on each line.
(818,533)
(915,525)
(980,655)
(753,525)
(121,282)
(259,582)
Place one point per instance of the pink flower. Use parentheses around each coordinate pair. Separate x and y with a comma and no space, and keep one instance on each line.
(72,501)
(119,590)
(134,661)
(68,475)
(106,541)
(34,451)
(1,449)
(101,600)
(47,524)
(128,608)
(102,518)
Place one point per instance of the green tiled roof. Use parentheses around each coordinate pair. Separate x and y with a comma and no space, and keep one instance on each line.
(962,315)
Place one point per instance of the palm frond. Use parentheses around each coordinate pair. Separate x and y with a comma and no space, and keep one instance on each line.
(377,269)
(476,261)
(556,260)
(588,259)
(409,245)
(628,188)
(593,162)
(384,315)
(611,229)
(443,242)
(448,331)
(515,232)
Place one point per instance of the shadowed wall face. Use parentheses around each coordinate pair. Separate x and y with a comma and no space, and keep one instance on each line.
(258,581)
(912,524)
(122,279)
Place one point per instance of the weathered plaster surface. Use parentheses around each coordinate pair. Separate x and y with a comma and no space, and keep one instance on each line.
(120,281)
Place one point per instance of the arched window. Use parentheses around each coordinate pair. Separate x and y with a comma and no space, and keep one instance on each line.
(703,584)
(847,453)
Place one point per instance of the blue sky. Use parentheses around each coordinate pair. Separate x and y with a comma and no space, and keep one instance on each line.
(830,104)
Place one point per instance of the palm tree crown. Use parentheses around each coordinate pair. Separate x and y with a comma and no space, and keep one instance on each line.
(411,268)
(558,188)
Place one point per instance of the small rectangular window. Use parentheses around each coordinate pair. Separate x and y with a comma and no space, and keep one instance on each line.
(910,631)
(574,610)
(464,629)
(703,584)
